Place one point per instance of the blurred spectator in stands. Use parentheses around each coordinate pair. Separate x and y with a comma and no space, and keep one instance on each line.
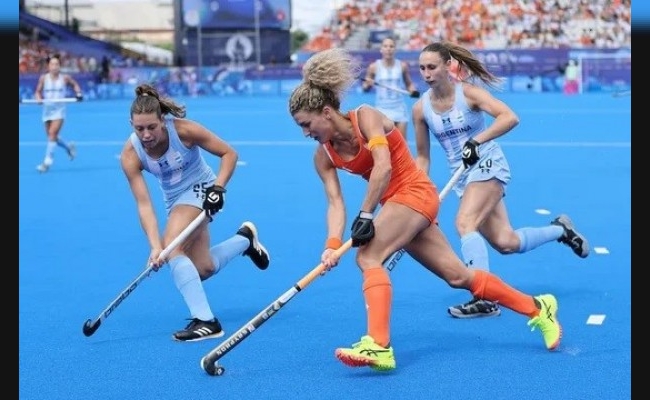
(105,72)
(478,24)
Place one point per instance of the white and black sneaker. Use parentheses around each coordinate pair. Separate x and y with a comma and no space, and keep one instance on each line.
(475,308)
(198,330)
(256,251)
(42,168)
(572,238)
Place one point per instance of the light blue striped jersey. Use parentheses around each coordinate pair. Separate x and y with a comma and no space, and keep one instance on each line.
(455,126)
(392,77)
(53,89)
(179,168)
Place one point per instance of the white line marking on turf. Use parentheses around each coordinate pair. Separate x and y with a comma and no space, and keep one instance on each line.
(596,319)
(572,351)
(601,250)
(262,143)
(542,211)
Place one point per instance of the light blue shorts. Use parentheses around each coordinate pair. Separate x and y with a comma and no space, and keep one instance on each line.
(491,165)
(191,197)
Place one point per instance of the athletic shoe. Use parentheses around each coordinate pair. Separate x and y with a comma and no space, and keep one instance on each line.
(367,353)
(199,330)
(547,321)
(42,167)
(475,308)
(256,251)
(72,151)
(571,237)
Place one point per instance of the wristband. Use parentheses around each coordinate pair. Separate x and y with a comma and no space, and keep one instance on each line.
(333,243)
(365,214)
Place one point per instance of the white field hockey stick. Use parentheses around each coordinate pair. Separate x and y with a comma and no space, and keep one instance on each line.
(415,94)
(91,326)
(392,261)
(48,101)
(209,361)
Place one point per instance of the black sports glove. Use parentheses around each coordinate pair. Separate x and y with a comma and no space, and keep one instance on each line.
(79,97)
(415,94)
(214,198)
(363,230)
(365,85)
(470,153)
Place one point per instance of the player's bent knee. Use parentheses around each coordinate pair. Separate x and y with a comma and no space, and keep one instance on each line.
(206,271)
(365,260)
(506,244)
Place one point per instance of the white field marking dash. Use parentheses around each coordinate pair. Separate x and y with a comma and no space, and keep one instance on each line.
(596,319)
(542,211)
(601,250)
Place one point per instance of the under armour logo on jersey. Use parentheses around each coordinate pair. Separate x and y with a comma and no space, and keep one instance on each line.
(446,120)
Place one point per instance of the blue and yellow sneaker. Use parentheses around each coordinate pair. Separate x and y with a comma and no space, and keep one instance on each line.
(547,321)
(367,353)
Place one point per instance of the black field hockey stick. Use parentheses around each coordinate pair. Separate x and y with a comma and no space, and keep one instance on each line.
(91,326)
(392,261)
(414,94)
(209,361)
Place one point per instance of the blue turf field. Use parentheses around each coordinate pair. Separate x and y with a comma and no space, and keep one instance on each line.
(568,155)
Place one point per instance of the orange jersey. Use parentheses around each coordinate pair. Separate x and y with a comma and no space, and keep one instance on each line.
(408,184)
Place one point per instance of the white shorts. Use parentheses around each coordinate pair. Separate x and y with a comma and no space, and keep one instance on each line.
(396,114)
(491,165)
(52,112)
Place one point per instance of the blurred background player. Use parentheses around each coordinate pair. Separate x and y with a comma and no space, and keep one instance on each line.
(453,112)
(390,72)
(53,85)
(168,146)
(571,76)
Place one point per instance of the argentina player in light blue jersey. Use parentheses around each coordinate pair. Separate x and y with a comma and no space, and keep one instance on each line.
(390,72)
(53,85)
(453,112)
(168,146)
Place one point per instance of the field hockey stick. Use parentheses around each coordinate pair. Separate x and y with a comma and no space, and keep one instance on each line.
(91,326)
(209,361)
(414,94)
(47,101)
(392,261)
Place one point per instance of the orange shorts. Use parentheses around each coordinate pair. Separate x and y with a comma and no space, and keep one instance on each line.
(421,196)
